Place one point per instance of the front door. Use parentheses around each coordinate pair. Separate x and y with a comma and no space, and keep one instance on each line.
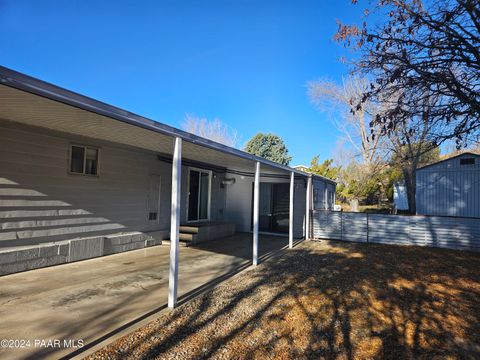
(198,195)
(265,209)
(281,207)
(273,207)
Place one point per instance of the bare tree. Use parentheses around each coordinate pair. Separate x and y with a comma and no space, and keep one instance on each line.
(213,130)
(336,98)
(411,148)
(421,49)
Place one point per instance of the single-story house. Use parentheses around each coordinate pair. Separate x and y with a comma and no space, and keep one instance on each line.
(80,178)
(450,187)
(303,168)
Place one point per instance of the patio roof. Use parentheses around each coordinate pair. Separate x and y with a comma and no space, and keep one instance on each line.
(24,99)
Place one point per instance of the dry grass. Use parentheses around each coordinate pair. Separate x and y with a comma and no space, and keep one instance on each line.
(327,300)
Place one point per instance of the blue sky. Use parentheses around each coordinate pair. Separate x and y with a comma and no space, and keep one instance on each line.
(244,62)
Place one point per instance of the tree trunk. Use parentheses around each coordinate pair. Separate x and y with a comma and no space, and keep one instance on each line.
(354,205)
(410,184)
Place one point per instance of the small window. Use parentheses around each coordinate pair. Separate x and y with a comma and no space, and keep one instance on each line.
(84,160)
(152,215)
(467,161)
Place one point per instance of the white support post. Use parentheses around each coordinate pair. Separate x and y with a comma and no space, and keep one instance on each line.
(175,223)
(290,214)
(308,208)
(256,203)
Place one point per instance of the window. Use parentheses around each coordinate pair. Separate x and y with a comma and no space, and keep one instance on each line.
(318,197)
(467,161)
(84,160)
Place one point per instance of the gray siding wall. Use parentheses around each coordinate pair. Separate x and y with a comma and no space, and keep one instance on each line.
(319,196)
(239,203)
(41,202)
(323,195)
(449,189)
(435,231)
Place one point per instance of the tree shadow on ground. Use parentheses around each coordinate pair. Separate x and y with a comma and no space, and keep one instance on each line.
(328,300)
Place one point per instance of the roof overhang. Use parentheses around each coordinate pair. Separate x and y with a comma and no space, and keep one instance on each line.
(29,101)
(467,153)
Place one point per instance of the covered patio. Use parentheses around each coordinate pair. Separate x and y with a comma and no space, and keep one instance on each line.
(96,299)
(142,162)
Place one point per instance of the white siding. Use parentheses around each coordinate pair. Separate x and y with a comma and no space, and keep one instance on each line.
(40,201)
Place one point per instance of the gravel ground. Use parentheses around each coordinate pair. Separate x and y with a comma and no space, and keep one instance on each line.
(326,300)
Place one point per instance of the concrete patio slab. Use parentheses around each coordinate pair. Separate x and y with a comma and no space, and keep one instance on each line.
(51,311)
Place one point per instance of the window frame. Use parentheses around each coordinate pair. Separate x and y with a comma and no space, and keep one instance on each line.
(209,200)
(85,147)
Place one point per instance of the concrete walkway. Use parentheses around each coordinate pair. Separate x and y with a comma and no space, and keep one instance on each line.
(92,300)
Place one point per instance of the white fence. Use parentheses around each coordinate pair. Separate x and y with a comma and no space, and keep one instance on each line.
(437,231)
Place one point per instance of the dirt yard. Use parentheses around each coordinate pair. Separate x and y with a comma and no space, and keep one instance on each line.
(327,300)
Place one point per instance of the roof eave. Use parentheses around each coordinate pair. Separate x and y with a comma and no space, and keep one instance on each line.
(450,158)
(53,92)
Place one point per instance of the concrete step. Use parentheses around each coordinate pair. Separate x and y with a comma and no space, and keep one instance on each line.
(188,229)
(187,237)
(184,239)
(195,233)
(180,243)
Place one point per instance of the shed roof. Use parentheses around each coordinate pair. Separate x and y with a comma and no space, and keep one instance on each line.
(448,159)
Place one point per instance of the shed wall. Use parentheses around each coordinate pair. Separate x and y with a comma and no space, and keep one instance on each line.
(449,189)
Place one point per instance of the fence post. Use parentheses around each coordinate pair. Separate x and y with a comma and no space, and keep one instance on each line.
(367,227)
(341,225)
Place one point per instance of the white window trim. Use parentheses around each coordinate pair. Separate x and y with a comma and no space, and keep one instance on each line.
(210,175)
(84,159)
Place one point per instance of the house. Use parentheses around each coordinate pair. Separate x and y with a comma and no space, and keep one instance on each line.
(450,187)
(303,168)
(80,178)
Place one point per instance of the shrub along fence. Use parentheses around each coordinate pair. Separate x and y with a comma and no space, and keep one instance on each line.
(436,231)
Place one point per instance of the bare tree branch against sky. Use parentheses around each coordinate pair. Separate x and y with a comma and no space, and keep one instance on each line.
(214,130)
(245,63)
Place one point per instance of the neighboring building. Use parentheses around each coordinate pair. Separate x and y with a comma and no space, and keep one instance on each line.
(303,168)
(323,195)
(450,187)
(80,178)
(400,199)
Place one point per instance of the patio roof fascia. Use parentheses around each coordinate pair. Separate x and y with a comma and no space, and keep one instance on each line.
(23,82)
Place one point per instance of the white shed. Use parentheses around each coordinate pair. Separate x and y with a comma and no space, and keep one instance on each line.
(400,199)
(450,187)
